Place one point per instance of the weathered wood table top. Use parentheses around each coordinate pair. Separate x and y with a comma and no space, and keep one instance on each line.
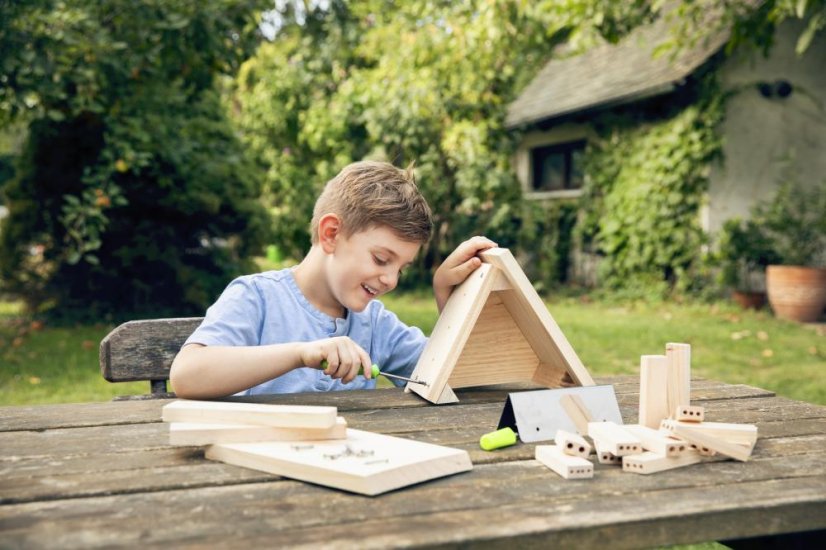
(102,474)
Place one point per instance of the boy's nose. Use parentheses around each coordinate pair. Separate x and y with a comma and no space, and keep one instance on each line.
(389,279)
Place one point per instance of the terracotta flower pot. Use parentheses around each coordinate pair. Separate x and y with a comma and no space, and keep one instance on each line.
(749,300)
(796,293)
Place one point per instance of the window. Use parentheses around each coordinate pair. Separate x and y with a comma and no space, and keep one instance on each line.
(557,167)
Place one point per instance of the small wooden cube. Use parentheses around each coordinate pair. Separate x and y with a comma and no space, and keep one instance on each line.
(567,466)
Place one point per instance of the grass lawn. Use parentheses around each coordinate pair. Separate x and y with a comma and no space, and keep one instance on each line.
(42,364)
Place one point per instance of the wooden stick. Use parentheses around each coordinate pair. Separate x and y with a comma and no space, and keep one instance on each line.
(741,434)
(690,414)
(690,432)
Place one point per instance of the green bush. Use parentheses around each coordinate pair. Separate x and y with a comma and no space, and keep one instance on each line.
(132,195)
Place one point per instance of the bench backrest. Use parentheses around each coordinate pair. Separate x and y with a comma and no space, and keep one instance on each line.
(144,350)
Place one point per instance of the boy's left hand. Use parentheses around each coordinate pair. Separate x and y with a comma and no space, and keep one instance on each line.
(457,267)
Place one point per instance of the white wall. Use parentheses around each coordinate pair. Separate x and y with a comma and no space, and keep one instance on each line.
(760,132)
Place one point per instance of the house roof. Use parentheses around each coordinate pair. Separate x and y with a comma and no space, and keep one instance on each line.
(610,74)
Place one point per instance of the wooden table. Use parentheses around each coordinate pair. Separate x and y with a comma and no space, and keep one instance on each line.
(102,474)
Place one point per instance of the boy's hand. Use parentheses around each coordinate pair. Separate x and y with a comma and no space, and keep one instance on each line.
(344,357)
(457,267)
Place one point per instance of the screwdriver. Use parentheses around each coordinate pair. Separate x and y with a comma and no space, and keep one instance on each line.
(375,372)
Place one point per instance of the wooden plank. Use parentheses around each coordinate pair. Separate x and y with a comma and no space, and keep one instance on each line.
(679,376)
(191,433)
(703,440)
(278,416)
(577,411)
(653,390)
(365,462)
(144,350)
(442,512)
(451,332)
(741,434)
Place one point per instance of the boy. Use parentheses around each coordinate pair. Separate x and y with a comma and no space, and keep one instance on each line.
(270,332)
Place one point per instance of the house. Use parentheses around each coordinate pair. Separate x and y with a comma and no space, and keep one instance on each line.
(776,113)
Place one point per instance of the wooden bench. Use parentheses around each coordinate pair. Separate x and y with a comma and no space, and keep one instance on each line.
(144,350)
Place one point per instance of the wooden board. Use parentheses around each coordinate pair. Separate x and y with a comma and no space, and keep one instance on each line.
(222,412)
(679,376)
(495,329)
(144,350)
(193,433)
(367,463)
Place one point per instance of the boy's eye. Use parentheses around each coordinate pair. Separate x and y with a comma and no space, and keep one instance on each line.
(379,261)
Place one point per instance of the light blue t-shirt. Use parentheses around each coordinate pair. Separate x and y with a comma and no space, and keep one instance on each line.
(268,308)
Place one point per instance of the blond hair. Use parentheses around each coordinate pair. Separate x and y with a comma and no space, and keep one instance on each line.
(369,193)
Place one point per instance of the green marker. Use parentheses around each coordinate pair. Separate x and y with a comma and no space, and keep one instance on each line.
(498,439)
(374,371)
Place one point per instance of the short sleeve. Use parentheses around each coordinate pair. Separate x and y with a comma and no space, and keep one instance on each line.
(235,319)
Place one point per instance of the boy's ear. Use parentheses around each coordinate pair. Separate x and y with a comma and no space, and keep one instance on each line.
(329,228)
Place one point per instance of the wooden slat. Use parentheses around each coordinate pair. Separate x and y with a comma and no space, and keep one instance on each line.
(144,350)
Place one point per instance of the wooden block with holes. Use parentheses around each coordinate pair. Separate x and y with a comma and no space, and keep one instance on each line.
(567,466)
(495,329)
(690,413)
(705,441)
(224,412)
(192,433)
(679,376)
(605,456)
(657,442)
(614,438)
(572,444)
(653,390)
(650,462)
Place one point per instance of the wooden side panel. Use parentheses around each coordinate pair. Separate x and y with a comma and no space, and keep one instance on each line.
(534,319)
(143,350)
(451,332)
(496,352)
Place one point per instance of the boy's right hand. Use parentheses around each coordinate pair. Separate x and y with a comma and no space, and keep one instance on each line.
(344,357)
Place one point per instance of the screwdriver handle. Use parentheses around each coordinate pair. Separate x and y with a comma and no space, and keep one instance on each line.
(374,370)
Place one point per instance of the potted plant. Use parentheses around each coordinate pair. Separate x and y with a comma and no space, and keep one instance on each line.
(744,251)
(795,222)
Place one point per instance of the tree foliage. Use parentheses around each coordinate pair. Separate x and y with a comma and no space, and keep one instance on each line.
(133,194)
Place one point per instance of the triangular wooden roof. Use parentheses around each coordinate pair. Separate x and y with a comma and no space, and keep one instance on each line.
(495,329)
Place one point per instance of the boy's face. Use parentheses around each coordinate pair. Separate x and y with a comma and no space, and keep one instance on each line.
(366,265)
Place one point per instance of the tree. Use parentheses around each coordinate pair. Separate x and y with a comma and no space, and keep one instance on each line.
(133,194)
